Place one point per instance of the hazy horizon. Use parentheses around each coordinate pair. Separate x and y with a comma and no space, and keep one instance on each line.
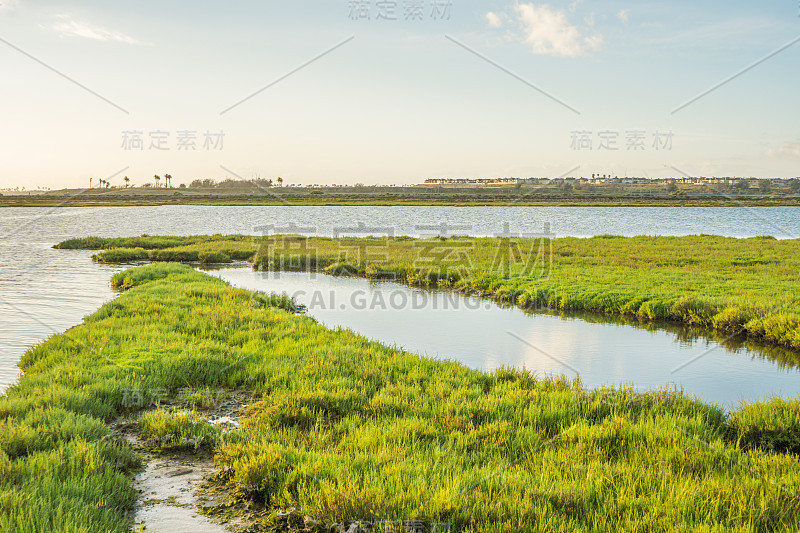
(395,92)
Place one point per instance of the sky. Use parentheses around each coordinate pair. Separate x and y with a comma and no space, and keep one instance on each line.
(395,92)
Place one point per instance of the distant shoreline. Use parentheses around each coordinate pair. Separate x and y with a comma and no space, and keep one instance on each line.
(396,196)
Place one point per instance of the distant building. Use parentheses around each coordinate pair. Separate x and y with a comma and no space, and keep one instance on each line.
(463,181)
(685,180)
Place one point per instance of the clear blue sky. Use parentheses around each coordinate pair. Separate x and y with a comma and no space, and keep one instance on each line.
(401,101)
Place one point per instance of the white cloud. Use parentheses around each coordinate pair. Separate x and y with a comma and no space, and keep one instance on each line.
(549,32)
(789,150)
(624,15)
(594,42)
(494,20)
(68,27)
(8,6)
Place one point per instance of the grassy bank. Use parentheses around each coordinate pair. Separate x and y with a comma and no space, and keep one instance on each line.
(200,249)
(454,201)
(727,284)
(746,286)
(343,429)
(243,194)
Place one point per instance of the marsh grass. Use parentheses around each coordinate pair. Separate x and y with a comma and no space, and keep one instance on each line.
(735,286)
(202,249)
(343,428)
(772,425)
(178,429)
(122,255)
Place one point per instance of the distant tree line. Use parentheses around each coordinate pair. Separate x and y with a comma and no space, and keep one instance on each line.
(233,184)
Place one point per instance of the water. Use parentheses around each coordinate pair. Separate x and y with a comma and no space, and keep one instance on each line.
(49,223)
(169,501)
(45,291)
(484,335)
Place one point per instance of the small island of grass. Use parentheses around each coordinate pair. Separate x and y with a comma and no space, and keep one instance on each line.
(736,286)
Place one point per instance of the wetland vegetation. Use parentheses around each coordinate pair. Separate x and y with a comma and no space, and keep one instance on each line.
(559,192)
(342,429)
(735,286)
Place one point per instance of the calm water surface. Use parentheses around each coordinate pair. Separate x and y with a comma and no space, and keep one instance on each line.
(45,291)
(781,222)
(484,335)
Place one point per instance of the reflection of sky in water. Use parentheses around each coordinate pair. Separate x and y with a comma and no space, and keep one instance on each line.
(479,334)
(50,225)
(45,291)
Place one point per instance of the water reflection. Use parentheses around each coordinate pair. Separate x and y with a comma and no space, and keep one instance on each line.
(602,350)
(45,291)
(693,336)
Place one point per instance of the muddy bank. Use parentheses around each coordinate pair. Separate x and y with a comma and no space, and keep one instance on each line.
(172,495)
(176,486)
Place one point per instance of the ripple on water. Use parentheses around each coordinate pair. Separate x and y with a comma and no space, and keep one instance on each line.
(44,292)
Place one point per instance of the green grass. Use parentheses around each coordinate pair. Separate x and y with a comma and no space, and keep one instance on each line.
(771,425)
(735,286)
(732,285)
(197,249)
(178,429)
(448,195)
(146,242)
(342,428)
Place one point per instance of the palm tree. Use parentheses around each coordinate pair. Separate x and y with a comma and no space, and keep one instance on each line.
(90,183)
(168,179)
(280,182)
(102,181)
(158,179)
(127,181)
